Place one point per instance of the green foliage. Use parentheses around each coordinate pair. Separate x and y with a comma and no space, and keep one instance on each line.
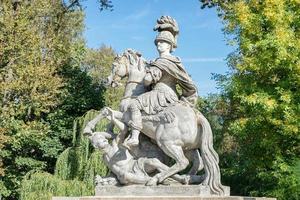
(297,170)
(215,108)
(76,161)
(83,91)
(106,5)
(70,163)
(75,170)
(43,186)
(94,166)
(3,140)
(42,87)
(262,92)
(98,65)
(3,190)
(79,163)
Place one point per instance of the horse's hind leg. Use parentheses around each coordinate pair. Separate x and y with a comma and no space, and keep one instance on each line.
(194,156)
(174,151)
(153,163)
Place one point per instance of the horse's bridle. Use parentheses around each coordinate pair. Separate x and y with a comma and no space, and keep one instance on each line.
(126,73)
(116,72)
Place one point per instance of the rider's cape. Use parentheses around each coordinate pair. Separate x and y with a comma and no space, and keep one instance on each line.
(173,66)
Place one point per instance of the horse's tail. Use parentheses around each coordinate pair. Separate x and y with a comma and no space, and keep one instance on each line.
(210,158)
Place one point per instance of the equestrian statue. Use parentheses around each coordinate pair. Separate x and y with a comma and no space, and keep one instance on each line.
(157,109)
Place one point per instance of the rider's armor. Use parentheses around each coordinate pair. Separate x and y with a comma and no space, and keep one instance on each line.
(166,73)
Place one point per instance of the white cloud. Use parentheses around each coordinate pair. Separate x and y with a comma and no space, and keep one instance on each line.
(200,26)
(131,21)
(138,15)
(138,38)
(197,60)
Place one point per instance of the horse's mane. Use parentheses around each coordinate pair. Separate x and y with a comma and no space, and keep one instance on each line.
(134,56)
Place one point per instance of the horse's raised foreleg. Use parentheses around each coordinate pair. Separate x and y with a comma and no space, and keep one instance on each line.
(108,113)
(115,117)
(104,113)
(91,124)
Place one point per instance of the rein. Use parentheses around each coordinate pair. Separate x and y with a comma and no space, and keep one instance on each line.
(129,97)
(115,76)
(116,72)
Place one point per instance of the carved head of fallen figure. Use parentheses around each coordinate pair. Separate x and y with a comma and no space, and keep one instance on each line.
(100,139)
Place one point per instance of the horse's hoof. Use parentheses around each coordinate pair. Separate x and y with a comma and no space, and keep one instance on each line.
(185,179)
(131,142)
(152,182)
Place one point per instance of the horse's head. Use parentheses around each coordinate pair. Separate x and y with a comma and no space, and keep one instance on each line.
(130,64)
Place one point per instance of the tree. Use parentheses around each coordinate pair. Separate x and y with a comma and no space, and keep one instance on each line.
(77,166)
(215,108)
(75,169)
(103,4)
(97,64)
(39,41)
(263,93)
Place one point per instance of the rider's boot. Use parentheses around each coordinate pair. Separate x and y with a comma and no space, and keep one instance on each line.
(134,139)
(135,124)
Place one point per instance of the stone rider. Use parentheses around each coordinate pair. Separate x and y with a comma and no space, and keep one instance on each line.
(164,74)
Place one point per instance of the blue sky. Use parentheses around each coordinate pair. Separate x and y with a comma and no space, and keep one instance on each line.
(201,43)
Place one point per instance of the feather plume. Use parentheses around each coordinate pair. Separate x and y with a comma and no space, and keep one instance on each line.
(167,23)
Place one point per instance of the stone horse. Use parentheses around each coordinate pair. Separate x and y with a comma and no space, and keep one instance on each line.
(177,130)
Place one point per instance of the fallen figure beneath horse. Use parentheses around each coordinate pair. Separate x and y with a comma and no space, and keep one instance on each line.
(127,169)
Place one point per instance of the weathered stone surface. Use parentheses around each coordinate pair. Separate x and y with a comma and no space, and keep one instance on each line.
(177,198)
(161,198)
(66,198)
(161,190)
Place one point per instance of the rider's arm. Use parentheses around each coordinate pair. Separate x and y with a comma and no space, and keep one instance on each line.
(153,75)
(148,79)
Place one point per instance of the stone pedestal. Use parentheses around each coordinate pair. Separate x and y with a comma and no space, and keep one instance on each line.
(174,192)
(161,190)
(161,198)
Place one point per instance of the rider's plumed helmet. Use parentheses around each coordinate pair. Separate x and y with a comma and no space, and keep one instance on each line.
(167,37)
(168,30)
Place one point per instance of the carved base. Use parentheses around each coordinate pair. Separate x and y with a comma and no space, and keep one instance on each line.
(173,192)
(162,198)
(161,190)
(178,198)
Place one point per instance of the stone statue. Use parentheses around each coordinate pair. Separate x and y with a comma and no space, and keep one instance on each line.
(163,74)
(153,106)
